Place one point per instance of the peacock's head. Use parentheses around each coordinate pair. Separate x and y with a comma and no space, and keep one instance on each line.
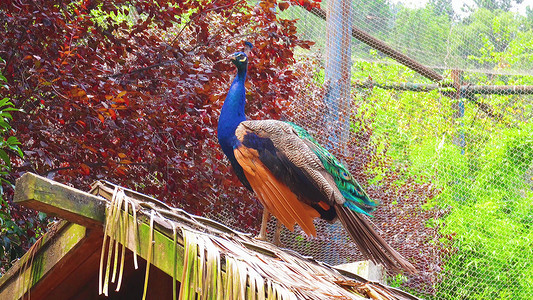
(239,59)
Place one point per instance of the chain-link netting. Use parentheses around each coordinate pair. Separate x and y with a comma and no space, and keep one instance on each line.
(445,143)
(436,124)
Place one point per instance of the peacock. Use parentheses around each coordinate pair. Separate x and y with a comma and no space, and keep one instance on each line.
(294,177)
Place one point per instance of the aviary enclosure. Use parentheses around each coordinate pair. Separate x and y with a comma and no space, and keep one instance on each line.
(430,104)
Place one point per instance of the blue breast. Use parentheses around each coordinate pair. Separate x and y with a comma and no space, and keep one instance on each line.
(231,115)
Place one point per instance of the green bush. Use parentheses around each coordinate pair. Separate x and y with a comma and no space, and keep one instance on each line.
(485,187)
(14,232)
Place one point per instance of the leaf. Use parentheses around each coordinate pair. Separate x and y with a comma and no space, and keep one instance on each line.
(12,140)
(5,158)
(10,109)
(112,113)
(92,149)
(5,125)
(5,102)
(283,5)
(120,171)
(20,152)
(85,169)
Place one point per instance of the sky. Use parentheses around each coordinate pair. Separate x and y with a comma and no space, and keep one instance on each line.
(457,4)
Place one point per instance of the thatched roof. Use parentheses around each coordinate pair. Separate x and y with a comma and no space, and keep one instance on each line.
(108,229)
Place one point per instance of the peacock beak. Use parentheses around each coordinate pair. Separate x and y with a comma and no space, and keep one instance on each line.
(232,57)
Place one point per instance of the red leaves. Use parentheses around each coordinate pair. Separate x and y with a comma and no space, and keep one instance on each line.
(308,4)
(138,104)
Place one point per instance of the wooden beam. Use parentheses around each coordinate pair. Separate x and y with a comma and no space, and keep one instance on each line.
(466,90)
(75,274)
(68,203)
(404,86)
(60,200)
(71,267)
(387,50)
(498,89)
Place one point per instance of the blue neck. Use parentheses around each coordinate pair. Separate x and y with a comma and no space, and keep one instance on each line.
(232,113)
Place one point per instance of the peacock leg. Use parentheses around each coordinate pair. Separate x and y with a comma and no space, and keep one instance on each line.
(277,234)
(263,232)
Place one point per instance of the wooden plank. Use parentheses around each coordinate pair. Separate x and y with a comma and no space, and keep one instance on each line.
(36,265)
(75,278)
(71,269)
(60,200)
(41,243)
(466,90)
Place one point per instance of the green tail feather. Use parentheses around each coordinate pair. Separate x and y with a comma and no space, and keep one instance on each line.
(356,198)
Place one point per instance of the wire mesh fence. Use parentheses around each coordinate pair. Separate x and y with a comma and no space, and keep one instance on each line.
(445,143)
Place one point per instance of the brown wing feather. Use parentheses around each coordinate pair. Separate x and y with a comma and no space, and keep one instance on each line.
(277,198)
(287,141)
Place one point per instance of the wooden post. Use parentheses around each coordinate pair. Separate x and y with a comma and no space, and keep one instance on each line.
(337,82)
(459,109)
(338,71)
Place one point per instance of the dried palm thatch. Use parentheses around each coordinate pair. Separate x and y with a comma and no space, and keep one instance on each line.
(218,262)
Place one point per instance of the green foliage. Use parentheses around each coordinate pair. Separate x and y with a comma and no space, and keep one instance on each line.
(12,233)
(496,4)
(491,218)
(485,186)
(8,142)
(125,14)
(373,16)
(442,7)
(487,36)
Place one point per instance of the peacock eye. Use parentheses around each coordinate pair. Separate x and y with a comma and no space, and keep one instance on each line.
(242,59)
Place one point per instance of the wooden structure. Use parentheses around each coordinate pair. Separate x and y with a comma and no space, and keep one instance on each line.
(66,262)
